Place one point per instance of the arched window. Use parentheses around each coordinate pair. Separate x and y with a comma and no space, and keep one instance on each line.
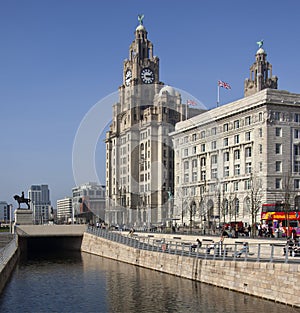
(246,206)
(236,204)
(297,203)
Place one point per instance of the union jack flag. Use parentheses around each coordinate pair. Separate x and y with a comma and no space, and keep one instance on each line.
(191,102)
(223,84)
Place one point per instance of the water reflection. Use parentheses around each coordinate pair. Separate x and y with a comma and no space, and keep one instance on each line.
(87,283)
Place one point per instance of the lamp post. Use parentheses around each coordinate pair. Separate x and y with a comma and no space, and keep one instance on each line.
(10,219)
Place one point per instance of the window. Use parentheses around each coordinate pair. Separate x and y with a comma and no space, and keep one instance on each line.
(203,161)
(203,175)
(297,117)
(226,171)
(260,148)
(297,166)
(278,148)
(248,152)
(194,150)
(236,186)
(202,134)
(203,147)
(248,120)
(225,142)
(260,132)
(186,139)
(296,150)
(214,173)
(247,184)
(277,116)
(213,145)
(260,116)
(226,156)
(194,177)
(185,152)
(194,137)
(278,183)
(194,163)
(297,133)
(225,127)
(186,178)
(278,131)
(214,131)
(214,159)
(248,136)
(297,183)
(236,154)
(248,168)
(236,139)
(186,165)
(237,169)
(236,124)
(278,166)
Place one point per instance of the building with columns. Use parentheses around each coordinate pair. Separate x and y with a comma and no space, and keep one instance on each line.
(232,159)
(139,152)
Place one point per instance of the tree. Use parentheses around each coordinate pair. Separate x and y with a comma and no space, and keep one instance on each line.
(255,195)
(287,190)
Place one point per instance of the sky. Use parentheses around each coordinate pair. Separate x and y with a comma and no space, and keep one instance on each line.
(59,58)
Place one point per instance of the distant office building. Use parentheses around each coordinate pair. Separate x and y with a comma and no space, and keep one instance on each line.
(64,210)
(89,201)
(40,203)
(4,212)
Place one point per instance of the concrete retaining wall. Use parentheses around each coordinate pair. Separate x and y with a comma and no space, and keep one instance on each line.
(8,265)
(279,282)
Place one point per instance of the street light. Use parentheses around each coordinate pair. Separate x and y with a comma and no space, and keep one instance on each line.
(10,219)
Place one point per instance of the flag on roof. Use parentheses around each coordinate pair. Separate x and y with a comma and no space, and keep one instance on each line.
(191,102)
(223,84)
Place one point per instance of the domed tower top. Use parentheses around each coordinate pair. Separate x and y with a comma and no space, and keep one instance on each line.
(260,73)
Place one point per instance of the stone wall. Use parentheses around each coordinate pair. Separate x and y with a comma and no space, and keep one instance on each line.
(279,282)
(8,264)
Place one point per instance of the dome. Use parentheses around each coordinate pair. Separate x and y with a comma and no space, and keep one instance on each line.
(170,90)
(260,51)
(140,27)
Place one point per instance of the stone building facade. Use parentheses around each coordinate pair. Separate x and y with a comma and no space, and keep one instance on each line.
(234,158)
(139,153)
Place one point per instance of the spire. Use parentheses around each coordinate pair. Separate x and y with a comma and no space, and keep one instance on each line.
(260,73)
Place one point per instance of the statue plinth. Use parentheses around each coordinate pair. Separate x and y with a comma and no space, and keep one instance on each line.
(23,217)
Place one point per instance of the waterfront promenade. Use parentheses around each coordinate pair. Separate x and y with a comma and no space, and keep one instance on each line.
(262,272)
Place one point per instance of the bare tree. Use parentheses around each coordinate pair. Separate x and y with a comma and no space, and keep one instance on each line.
(255,195)
(287,190)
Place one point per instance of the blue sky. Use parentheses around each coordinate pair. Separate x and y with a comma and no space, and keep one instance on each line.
(60,57)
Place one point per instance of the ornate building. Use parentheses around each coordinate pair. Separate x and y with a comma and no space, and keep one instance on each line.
(234,158)
(139,153)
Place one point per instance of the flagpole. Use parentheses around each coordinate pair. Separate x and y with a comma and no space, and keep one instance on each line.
(186,110)
(218,95)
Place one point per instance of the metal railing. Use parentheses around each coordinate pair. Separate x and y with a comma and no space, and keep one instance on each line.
(238,251)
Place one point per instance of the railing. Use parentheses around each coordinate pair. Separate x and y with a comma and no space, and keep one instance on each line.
(238,251)
(7,252)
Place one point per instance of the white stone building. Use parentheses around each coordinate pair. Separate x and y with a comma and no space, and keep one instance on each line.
(139,153)
(65,213)
(234,158)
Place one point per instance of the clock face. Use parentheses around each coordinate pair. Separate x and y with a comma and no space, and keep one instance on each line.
(128,77)
(147,76)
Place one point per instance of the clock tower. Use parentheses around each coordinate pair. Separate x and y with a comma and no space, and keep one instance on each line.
(139,153)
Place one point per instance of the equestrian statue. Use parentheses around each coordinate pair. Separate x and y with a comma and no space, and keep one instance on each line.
(22,199)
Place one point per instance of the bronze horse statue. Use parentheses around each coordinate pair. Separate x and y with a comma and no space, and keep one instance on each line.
(22,199)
